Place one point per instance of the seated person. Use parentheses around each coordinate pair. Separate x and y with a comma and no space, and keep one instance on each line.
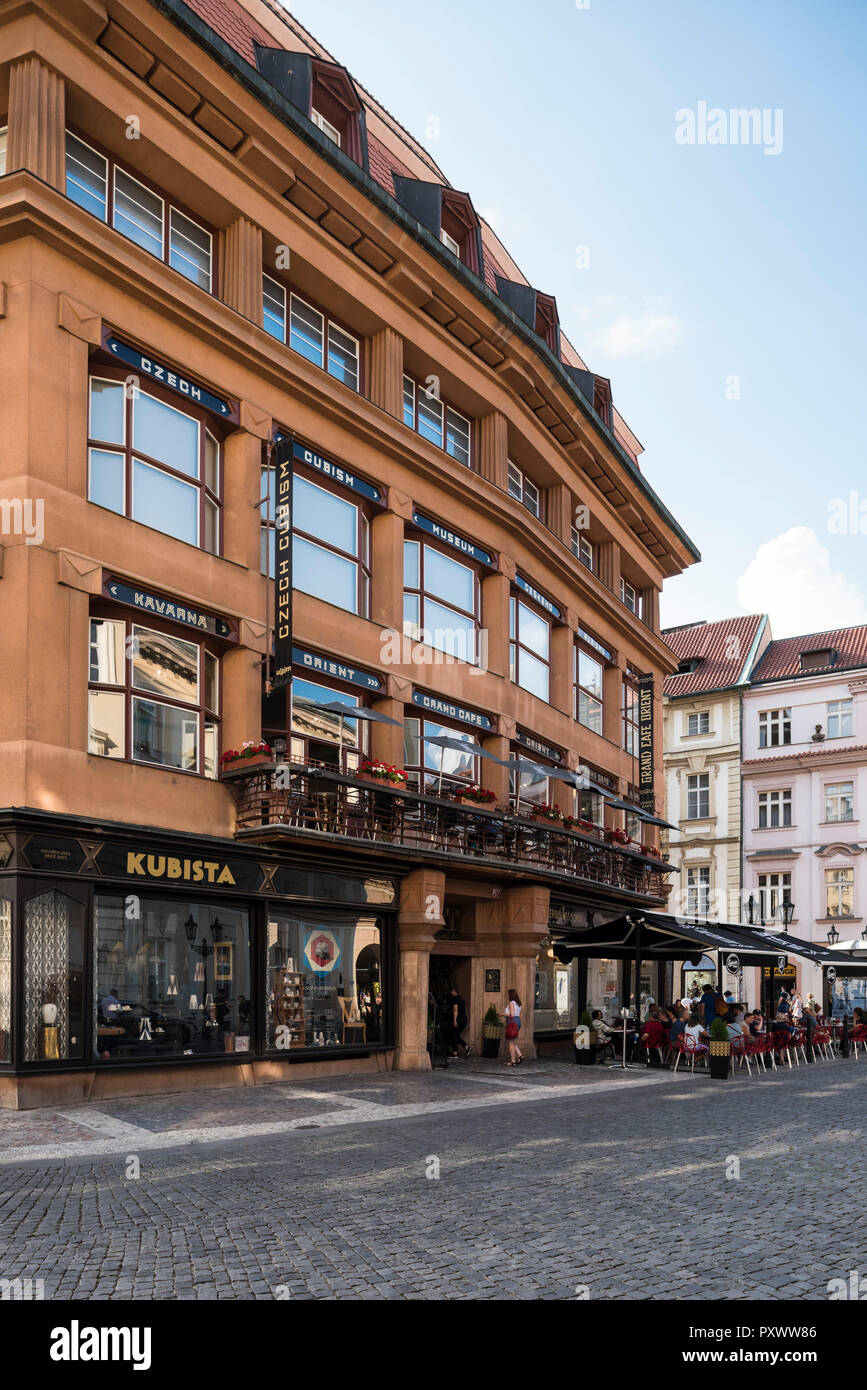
(602,1029)
(781,1024)
(755,1022)
(860,1018)
(694,1034)
(735,1029)
(679,1023)
(653,1030)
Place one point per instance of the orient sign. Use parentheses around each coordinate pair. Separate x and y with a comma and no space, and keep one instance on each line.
(645,744)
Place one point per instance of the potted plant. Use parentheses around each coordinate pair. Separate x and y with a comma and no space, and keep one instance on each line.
(49,998)
(492,1032)
(479,795)
(617,836)
(543,811)
(375,770)
(651,851)
(720,1049)
(244,759)
(585,1041)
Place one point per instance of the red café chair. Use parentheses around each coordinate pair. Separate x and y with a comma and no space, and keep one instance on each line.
(687,1047)
(858,1035)
(654,1039)
(741,1052)
(822,1043)
(799,1045)
(782,1045)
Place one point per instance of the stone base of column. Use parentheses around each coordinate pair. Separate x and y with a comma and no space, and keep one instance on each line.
(407,1059)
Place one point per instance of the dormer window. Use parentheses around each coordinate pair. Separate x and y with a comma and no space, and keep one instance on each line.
(686,668)
(326,127)
(548,321)
(446,214)
(818,660)
(449,243)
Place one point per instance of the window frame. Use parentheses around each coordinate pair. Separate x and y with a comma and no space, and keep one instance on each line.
(205,716)
(702,717)
(772,895)
(834,792)
(698,892)
(583,549)
(522,483)
(329,326)
(412,397)
(206,425)
(629,715)
(837,880)
(4,148)
(578,650)
(627,588)
(424,544)
(516,800)
(840,710)
(775,801)
(700,792)
(169,205)
(418,774)
(517,601)
(775,721)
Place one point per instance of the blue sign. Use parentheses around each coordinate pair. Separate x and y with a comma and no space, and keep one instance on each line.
(173,610)
(328,666)
(167,376)
(442,533)
(434,705)
(302,453)
(595,643)
(538,597)
(537,746)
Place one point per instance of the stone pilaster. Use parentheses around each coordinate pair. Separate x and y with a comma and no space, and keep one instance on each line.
(493,437)
(242,268)
(422,895)
(37,121)
(386,371)
(558,512)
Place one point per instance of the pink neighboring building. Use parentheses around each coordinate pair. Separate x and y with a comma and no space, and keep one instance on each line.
(804,798)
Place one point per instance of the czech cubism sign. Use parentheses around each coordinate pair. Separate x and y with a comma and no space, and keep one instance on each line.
(283,471)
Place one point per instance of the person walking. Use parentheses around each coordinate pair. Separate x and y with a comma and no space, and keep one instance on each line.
(796,1007)
(456,1022)
(513,1027)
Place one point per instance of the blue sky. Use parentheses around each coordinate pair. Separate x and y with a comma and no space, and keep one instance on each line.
(706,262)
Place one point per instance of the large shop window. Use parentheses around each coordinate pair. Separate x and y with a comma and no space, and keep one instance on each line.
(330,543)
(324,981)
(529,649)
(587,677)
(316,337)
(154,697)
(5,980)
(154,463)
(113,195)
(429,416)
(440,601)
(324,736)
(171,977)
(427,765)
(54,926)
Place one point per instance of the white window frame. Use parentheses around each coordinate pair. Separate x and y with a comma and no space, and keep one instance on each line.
(837,880)
(775,727)
(775,809)
(836,797)
(524,490)
(702,720)
(843,714)
(322,123)
(698,890)
(449,243)
(176,212)
(450,420)
(582,549)
(695,795)
(773,890)
(4,136)
(628,596)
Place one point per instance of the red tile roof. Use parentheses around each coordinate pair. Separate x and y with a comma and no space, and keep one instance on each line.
(383,164)
(721,649)
(238,28)
(781,660)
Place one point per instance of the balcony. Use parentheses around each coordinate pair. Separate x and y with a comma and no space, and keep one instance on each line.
(322,805)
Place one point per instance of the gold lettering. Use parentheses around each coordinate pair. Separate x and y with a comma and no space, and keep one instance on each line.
(197,871)
(226,875)
(156,865)
(134,864)
(173,868)
(211,868)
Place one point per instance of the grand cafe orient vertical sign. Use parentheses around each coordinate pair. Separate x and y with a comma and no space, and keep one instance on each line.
(646,799)
(283,476)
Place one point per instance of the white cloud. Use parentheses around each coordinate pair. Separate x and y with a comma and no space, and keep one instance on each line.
(791,579)
(614,328)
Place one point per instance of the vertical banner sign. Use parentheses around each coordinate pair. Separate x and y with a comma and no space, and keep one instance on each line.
(283,473)
(646,798)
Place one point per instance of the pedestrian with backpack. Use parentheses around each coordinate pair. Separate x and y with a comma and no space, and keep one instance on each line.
(513,1028)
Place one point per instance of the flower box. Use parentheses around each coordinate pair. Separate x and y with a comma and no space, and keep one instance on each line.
(383,773)
(479,796)
(617,837)
(249,758)
(545,812)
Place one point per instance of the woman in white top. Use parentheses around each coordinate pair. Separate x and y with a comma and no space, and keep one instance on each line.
(695,1035)
(513,1028)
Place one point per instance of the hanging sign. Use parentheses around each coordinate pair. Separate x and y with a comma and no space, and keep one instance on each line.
(646,799)
(538,597)
(328,666)
(174,610)
(283,476)
(733,964)
(336,472)
(442,533)
(831,974)
(434,705)
(168,376)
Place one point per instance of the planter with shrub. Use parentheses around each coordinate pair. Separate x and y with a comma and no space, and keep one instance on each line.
(492,1032)
(719,1049)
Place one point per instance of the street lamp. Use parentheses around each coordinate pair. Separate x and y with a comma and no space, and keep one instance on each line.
(833,935)
(191,927)
(787,908)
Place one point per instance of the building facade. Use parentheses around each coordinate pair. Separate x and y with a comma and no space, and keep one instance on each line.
(702,722)
(804,790)
(220,260)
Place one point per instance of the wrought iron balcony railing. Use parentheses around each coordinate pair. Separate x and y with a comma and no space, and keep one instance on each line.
(328,803)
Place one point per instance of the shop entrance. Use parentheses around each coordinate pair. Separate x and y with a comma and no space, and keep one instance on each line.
(446,973)
(773,980)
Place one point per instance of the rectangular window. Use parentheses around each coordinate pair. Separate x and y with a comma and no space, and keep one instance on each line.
(530,788)
(529,649)
(524,489)
(441,601)
(774,890)
(326,127)
(274,308)
(628,596)
(324,981)
(330,545)
(775,809)
(839,801)
(839,892)
(698,890)
(587,677)
(775,727)
(840,719)
(424,760)
(433,419)
(4,132)
(154,696)
(449,243)
(630,717)
(698,796)
(322,342)
(582,548)
(114,195)
(172,977)
(153,463)
(698,723)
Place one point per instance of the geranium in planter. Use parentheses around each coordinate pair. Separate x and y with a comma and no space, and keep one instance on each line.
(480,795)
(543,811)
(249,755)
(651,851)
(617,836)
(377,771)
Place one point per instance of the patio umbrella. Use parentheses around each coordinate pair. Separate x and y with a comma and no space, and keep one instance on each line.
(459,745)
(653,820)
(351,712)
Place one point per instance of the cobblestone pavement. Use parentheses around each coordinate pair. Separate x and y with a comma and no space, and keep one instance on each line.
(550,1178)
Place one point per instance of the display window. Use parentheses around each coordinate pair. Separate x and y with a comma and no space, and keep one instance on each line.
(430,768)
(441,601)
(324,981)
(171,977)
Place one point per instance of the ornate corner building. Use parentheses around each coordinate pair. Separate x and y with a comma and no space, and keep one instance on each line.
(218,251)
